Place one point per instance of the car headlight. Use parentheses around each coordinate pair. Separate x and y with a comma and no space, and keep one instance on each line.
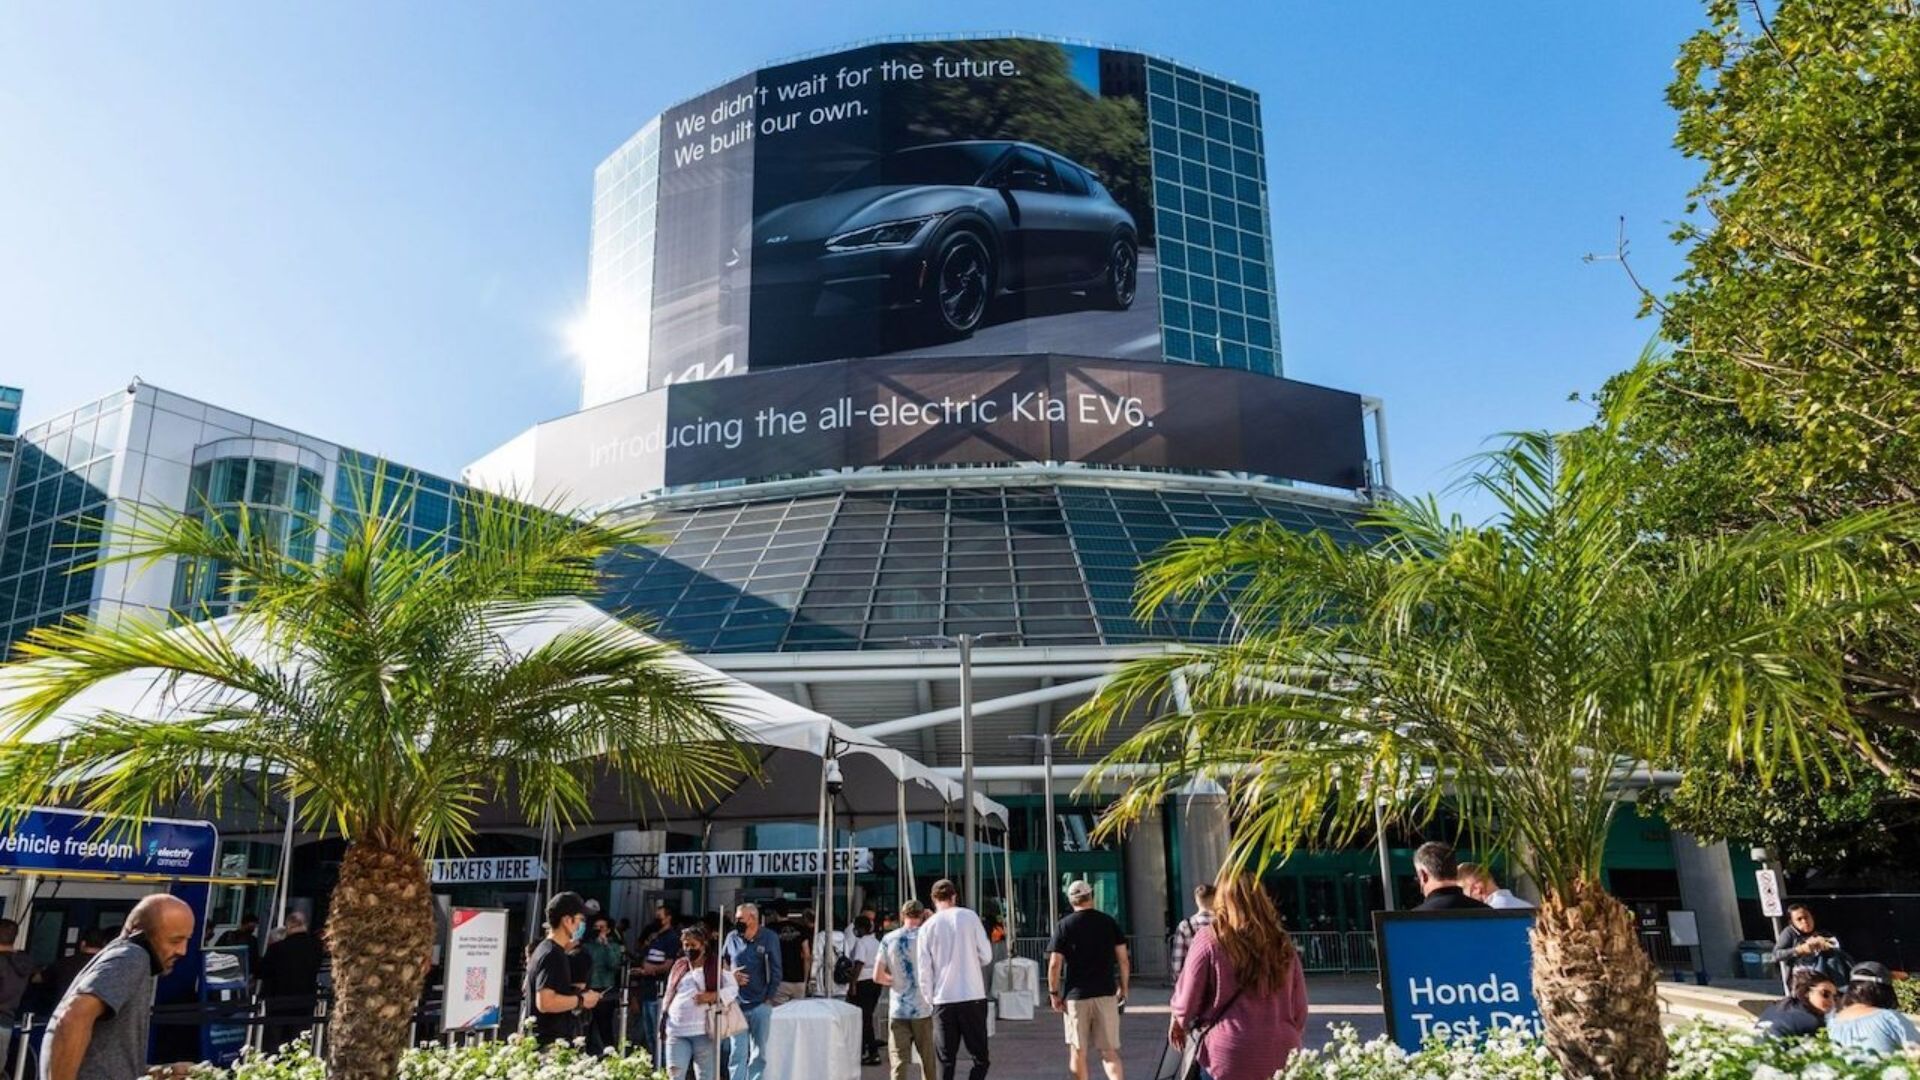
(886,234)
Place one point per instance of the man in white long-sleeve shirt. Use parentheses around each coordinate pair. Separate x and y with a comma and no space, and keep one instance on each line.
(953,953)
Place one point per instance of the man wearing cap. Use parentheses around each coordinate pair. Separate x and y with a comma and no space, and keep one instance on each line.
(551,997)
(1087,950)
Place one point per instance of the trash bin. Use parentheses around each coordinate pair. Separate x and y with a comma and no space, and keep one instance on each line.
(1753,960)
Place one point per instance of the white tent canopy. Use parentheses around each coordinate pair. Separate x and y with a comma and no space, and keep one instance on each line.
(791,742)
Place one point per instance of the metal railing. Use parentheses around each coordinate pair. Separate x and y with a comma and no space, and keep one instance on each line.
(1035,949)
(1322,952)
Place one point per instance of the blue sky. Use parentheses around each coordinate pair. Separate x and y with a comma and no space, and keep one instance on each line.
(370,222)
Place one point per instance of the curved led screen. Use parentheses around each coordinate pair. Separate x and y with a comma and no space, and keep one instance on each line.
(950,410)
(925,199)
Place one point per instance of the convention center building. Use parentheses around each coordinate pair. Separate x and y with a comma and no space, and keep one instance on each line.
(910,354)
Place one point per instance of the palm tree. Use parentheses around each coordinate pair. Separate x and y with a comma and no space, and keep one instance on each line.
(1516,673)
(372,686)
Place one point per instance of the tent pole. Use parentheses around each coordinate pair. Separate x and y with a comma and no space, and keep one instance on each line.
(826,919)
(706,835)
(1006,857)
(286,867)
(905,857)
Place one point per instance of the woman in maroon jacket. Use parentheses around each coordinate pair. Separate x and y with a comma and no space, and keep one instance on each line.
(1241,991)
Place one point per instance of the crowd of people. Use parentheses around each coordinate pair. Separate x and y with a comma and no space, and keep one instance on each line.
(698,993)
(1854,1003)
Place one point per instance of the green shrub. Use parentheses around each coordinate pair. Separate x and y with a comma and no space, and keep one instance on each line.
(515,1058)
(1700,1052)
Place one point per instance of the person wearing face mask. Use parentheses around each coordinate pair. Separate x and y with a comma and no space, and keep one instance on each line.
(551,996)
(688,1007)
(751,954)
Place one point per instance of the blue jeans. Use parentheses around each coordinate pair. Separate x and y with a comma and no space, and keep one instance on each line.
(689,1054)
(646,1030)
(747,1051)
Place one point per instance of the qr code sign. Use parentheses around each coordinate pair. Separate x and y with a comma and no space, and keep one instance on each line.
(474,987)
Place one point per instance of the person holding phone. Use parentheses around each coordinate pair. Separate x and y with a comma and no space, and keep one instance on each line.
(551,996)
(99,1030)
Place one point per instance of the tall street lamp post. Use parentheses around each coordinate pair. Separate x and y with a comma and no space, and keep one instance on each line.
(965,643)
(1046,788)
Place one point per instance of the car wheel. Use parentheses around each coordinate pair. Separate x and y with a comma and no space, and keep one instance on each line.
(1123,275)
(961,284)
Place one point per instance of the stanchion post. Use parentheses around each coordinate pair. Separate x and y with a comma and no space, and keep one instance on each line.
(20,1062)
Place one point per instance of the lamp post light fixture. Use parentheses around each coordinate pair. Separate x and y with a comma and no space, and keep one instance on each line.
(1046,788)
(965,643)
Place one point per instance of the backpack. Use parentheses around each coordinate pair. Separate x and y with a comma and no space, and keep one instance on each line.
(844,969)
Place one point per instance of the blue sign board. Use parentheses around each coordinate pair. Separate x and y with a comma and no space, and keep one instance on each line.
(46,839)
(1455,974)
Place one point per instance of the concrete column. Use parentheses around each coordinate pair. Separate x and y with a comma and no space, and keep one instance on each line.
(1706,888)
(723,893)
(1147,896)
(1204,839)
(628,894)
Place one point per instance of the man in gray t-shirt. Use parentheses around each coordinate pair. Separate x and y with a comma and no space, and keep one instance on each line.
(99,1029)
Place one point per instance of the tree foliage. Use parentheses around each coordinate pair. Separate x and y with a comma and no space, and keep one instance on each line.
(1800,303)
(1519,673)
(1793,392)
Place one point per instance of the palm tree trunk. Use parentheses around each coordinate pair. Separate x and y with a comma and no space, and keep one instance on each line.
(1595,987)
(380,930)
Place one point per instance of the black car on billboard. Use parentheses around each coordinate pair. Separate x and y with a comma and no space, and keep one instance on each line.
(936,234)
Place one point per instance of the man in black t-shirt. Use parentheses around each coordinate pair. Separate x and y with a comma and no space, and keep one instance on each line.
(1087,974)
(552,999)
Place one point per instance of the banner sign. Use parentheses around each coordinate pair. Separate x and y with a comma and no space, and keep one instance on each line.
(49,839)
(475,970)
(943,411)
(510,868)
(918,197)
(1460,974)
(710,864)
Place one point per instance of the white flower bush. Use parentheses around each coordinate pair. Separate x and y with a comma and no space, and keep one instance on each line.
(517,1057)
(1700,1052)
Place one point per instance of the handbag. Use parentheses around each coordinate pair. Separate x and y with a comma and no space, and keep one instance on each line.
(727,1020)
(1189,1067)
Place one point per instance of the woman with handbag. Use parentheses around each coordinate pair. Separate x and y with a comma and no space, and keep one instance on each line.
(1240,1006)
(691,1012)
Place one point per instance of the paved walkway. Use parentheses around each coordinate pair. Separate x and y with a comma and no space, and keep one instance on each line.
(1035,1050)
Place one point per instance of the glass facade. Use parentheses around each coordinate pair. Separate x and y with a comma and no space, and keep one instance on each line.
(869,569)
(432,504)
(275,502)
(620,289)
(1215,247)
(62,472)
(9,411)
(146,449)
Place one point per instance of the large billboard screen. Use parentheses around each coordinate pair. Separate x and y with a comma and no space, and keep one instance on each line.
(925,199)
(950,410)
